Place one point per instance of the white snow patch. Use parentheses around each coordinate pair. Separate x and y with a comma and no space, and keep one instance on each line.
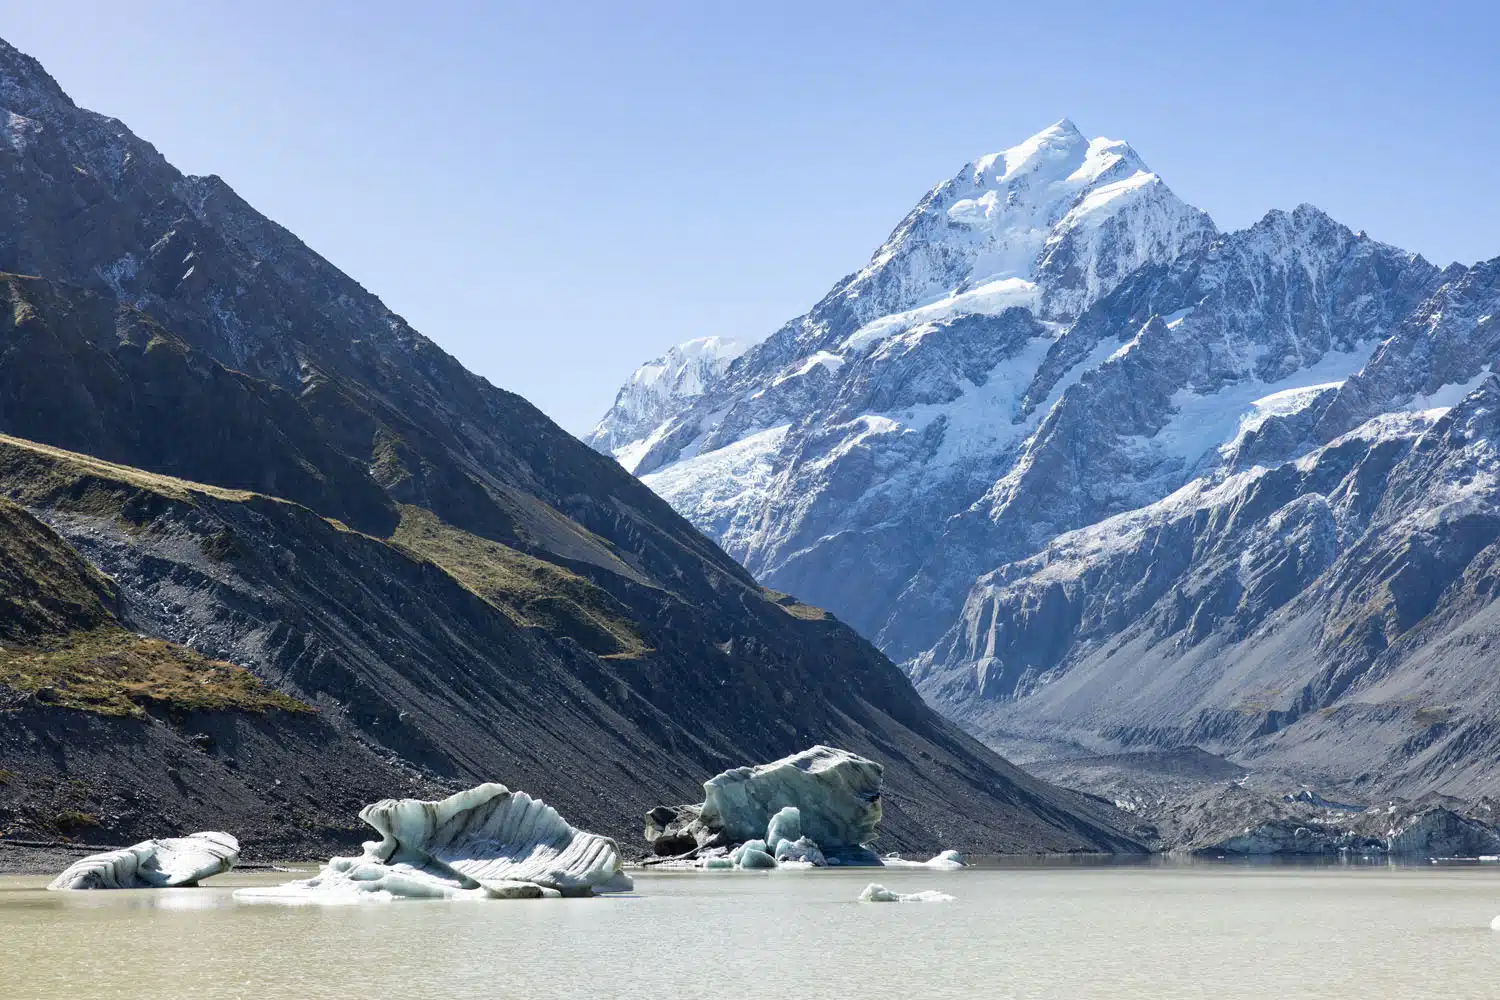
(715,485)
(824,359)
(1447,396)
(1203,423)
(989,299)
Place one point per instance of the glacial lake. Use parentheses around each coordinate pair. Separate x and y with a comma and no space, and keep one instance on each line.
(1120,932)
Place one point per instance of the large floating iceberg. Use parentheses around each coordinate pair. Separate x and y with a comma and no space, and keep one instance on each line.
(818,807)
(487,842)
(154,864)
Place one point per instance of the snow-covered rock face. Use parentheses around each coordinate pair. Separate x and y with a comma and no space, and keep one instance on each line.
(154,864)
(851,435)
(487,842)
(1050,338)
(1206,496)
(657,390)
(1323,611)
(1054,222)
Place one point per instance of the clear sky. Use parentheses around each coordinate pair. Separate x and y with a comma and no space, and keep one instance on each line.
(556,192)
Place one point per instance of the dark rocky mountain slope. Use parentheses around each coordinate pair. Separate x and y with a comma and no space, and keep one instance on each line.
(274,472)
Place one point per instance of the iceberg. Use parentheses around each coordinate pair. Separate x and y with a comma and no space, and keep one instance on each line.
(945,861)
(876,893)
(815,808)
(484,843)
(836,795)
(154,864)
(820,806)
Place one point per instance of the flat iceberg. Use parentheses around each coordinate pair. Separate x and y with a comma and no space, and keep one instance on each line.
(876,893)
(946,861)
(484,843)
(154,864)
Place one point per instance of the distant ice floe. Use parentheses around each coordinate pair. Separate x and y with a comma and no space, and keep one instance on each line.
(484,843)
(946,861)
(877,893)
(814,809)
(154,864)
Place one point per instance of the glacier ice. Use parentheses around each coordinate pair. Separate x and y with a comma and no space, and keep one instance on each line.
(803,850)
(877,893)
(820,806)
(814,808)
(785,825)
(944,861)
(836,795)
(754,857)
(484,843)
(154,864)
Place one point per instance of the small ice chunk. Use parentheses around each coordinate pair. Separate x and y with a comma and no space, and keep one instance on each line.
(802,849)
(785,825)
(877,893)
(154,864)
(1495,924)
(947,859)
(718,862)
(738,853)
(753,857)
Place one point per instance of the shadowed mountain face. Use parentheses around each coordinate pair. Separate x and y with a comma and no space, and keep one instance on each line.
(274,471)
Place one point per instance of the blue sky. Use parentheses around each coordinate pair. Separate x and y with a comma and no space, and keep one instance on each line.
(557,192)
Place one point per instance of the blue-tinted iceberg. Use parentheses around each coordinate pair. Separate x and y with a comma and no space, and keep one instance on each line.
(484,843)
(154,864)
(815,808)
(835,795)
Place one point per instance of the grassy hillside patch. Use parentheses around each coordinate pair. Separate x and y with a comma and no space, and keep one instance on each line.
(794,607)
(115,672)
(531,591)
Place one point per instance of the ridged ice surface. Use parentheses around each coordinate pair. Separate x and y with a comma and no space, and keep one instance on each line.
(484,842)
(154,864)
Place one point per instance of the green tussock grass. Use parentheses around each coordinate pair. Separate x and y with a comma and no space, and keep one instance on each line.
(531,591)
(112,671)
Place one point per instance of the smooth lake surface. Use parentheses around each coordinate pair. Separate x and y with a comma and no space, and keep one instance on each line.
(1071,932)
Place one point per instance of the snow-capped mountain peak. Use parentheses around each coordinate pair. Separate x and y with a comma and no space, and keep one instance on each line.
(1066,215)
(656,390)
